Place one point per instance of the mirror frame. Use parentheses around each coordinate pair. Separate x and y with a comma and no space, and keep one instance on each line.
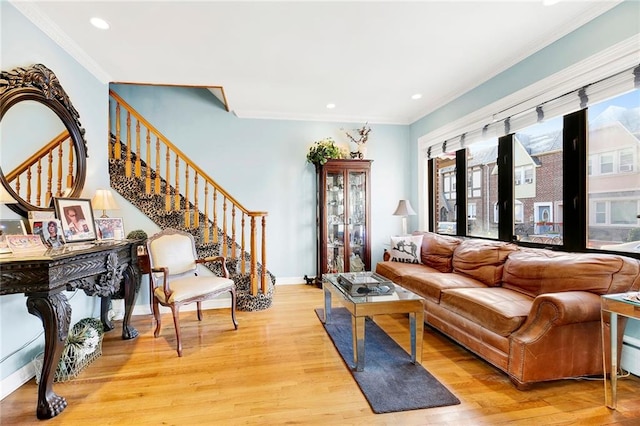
(38,83)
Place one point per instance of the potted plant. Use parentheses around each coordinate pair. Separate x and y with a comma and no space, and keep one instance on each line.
(323,150)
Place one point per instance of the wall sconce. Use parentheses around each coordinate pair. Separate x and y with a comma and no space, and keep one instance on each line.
(103,200)
(404,209)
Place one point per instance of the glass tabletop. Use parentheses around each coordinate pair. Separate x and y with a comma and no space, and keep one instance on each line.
(399,293)
(632,297)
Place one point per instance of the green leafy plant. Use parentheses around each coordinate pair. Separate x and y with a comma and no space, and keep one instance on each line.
(137,234)
(323,150)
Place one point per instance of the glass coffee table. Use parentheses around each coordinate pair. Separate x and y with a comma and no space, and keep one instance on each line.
(401,301)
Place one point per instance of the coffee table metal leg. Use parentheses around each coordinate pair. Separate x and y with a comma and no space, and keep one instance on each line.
(357,325)
(327,304)
(416,324)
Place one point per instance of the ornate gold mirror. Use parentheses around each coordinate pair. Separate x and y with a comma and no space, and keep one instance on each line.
(43,152)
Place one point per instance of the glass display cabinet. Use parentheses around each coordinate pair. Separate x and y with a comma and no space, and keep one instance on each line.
(343,217)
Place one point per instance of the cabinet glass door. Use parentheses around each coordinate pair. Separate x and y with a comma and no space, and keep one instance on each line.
(357,220)
(335,214)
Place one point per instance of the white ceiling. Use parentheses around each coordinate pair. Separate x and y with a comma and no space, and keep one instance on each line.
(290,59)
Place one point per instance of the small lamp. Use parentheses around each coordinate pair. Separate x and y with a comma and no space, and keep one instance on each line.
(103,200)
(404,209)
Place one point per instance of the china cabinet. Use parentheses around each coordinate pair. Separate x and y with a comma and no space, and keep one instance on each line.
(343,216)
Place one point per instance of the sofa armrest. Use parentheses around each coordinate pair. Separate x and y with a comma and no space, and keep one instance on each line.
(567,307)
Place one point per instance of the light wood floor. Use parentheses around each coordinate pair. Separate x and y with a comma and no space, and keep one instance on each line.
(280,367)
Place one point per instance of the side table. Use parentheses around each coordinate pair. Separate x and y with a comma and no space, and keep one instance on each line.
(614,304)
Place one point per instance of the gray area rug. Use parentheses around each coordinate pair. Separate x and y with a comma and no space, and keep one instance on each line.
(390,382)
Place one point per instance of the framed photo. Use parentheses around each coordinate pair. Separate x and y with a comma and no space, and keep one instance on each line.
(10,227)
(50,232)
(110,228)
(25,243)
(76,218)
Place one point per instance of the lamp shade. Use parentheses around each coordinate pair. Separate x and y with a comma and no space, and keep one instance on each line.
(103,200)
(404,209)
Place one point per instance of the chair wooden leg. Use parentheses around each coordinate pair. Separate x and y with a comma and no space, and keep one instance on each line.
(233,309)
(175,310)
(199,305)
(156,315)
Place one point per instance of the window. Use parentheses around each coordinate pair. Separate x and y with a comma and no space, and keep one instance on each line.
(482,188)
(606,163)
(446,194)
(613,195)
(626,160)
(538,148)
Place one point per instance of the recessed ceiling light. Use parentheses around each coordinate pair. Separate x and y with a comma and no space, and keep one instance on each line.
(416,96)
(331,106)
(99,23)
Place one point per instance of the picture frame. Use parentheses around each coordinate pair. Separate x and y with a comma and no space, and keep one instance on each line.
(51,232)
(10,227)
(110,228)
(76,219)
(25,243)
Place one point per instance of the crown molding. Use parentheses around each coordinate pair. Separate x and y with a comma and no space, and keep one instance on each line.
(270,115)
(34,14)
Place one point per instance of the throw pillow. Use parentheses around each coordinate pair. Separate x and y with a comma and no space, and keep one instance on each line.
(406,249)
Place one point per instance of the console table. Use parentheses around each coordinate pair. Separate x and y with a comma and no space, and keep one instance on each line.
(97,269)
(614,305)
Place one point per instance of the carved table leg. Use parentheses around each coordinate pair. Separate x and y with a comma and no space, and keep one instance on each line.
(105,302)
(55,313)
(130,293)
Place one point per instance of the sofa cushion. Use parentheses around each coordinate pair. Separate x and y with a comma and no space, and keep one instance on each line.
(406,249)
(431,284)
(437,250)
(498,309)
(395,271)
(482,259)
(538,271)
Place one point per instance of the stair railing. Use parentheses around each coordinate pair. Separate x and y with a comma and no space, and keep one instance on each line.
(45,169)
(220,211)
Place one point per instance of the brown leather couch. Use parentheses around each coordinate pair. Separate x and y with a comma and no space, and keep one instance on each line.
(533,313)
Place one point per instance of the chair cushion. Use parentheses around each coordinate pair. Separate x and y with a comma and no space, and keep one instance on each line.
(482,259)
(437,250)
(192,286)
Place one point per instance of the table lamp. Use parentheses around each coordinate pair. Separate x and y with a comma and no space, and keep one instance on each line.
(103,200)
(404,209)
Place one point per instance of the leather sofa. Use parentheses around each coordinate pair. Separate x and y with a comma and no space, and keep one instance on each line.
(532,313)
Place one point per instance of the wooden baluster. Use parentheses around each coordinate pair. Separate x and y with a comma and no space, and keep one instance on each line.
(137,163)
(206,213)
(157,179)
(264,254)
(224,227)
(39,182)
(147,169)
(127,160)
(18,185)
(215,215)
(187,211)
(71,170)
(29,185)
(196,208)
(243,263)
(59,174)
(176,199)
(48,194)
(117,149)
(167,198)
(233,231)
(254,265)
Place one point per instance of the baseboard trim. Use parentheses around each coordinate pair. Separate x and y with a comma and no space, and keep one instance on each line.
(630,357)
(17,379)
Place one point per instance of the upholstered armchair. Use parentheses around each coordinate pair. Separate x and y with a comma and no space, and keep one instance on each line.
(175,280)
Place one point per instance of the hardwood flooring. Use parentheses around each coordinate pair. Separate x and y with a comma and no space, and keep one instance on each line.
(280,367)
